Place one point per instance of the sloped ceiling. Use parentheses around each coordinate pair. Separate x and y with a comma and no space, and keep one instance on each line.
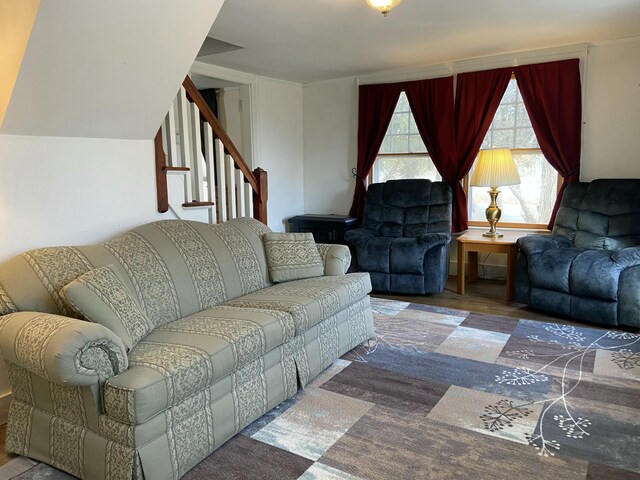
(307,41)
(105,68)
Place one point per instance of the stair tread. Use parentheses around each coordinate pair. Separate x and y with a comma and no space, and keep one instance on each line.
(176,169)
(197,204)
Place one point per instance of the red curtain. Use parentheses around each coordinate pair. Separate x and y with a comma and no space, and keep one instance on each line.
(478,96)
(375,109)
(553,97)
(431,103)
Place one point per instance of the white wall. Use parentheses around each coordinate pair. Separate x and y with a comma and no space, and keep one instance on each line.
(233,103)
(71,191)
(330,146)
(611,145)
(280,122)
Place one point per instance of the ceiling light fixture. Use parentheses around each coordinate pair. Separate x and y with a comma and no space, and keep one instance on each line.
(383,6)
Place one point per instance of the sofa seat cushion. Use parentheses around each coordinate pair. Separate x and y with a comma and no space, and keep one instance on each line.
(181,358)
(311,300)
(586,273)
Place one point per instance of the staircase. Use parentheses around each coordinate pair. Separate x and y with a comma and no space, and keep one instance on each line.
(192,144)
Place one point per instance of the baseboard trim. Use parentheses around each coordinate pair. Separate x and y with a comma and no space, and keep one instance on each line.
(5,401)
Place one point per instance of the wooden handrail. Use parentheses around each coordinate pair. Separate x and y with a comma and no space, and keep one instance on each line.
(194,95)
(256,179)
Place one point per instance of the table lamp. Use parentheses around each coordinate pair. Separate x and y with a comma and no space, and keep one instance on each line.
(494,168)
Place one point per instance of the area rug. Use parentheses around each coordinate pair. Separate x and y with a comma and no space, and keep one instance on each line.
(449,394)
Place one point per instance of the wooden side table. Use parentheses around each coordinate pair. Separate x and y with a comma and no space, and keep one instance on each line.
(473,242)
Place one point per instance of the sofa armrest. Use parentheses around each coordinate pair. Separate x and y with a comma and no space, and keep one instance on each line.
(61,349)
(336,258)
(531,244)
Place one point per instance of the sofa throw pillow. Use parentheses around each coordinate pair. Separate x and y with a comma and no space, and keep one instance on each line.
(101,296)
(292,256)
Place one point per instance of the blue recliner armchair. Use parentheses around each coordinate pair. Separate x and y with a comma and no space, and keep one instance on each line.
(405,235)
(589,267)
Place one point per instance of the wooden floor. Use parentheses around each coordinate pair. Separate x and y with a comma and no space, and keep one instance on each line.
(4,457)
(483,296)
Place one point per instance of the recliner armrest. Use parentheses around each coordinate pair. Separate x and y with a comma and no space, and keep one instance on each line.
(434,239)
(532,244)
(61,349)
(359,236)
(627,257)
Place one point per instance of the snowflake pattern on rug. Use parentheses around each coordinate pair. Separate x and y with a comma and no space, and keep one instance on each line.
(577,347)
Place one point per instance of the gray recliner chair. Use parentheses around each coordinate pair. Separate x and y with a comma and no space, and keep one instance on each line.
(589,267)
(405,235)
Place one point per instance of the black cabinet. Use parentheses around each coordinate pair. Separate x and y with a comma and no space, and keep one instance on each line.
(325,228)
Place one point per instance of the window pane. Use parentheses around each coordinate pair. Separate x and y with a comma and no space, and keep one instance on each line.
(523,116)
(510,92)
(505,116)
(503,139)
(386,145)
(399,143)
(403,103)
(396,168)
(416,145)
(530,202)
(486,143)
(399,124)
(525,138)
(413,127)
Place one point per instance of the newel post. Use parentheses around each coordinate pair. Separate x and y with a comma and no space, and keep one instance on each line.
(260,195)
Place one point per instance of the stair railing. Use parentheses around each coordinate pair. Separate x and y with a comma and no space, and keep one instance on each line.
(192,143)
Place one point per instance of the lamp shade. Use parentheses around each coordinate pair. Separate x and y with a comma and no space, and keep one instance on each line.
(495,168)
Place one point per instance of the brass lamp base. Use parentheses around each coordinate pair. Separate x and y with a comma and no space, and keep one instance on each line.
(493,213)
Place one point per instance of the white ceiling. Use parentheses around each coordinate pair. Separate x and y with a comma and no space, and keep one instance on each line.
(312,40)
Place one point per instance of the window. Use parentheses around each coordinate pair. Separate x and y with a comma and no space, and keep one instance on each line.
(403,153)
(530,203)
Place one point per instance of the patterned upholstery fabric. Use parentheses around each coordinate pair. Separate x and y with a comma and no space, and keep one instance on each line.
(292,256)
(207,368)
(336,258)
(61,349)
(181,358)
(102,297)
(310,300)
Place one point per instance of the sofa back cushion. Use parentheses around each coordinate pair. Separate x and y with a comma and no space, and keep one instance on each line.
(175,268)
(408,208)
(101,296)
(292,256)
(601,214)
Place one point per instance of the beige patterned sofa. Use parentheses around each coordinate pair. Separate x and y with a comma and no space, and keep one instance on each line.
(225,346)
